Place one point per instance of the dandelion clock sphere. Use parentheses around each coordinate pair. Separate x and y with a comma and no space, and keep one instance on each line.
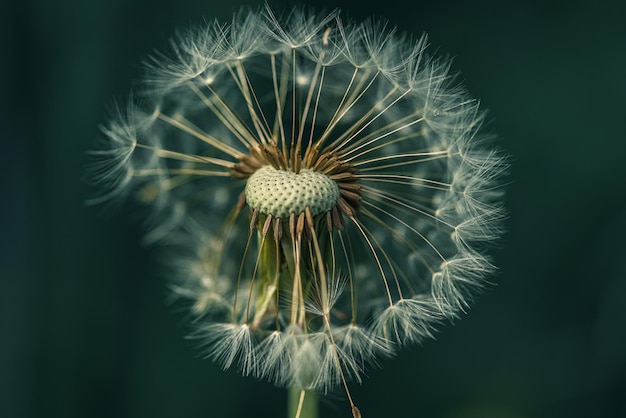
(324,187)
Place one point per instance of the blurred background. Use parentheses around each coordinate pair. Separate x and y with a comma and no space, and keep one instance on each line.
(85,330)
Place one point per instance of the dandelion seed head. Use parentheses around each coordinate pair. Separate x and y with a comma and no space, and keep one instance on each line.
(326,185)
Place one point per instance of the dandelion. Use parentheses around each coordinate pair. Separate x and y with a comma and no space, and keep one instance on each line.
(328,188)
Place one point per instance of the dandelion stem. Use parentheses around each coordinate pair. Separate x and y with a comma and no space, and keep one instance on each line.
(302,404)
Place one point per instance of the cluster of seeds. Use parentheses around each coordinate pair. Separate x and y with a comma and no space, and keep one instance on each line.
(327,189)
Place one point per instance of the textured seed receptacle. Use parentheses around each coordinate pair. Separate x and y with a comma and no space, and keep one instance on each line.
(280,193)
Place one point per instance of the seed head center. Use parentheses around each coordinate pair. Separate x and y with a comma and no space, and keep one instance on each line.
(280,193)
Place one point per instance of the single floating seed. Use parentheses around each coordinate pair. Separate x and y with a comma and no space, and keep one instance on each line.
(280,193)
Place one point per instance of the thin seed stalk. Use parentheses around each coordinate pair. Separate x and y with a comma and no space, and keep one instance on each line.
(308,408)
(276,273)
(268,276)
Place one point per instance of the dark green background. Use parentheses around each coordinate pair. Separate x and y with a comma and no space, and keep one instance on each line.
(84,325)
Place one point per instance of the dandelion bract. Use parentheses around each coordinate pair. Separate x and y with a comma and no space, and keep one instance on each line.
(325,188)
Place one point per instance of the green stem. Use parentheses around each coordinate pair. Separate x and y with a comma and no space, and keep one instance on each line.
(309,406)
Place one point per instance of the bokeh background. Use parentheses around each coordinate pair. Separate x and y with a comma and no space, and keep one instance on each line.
(85,329)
